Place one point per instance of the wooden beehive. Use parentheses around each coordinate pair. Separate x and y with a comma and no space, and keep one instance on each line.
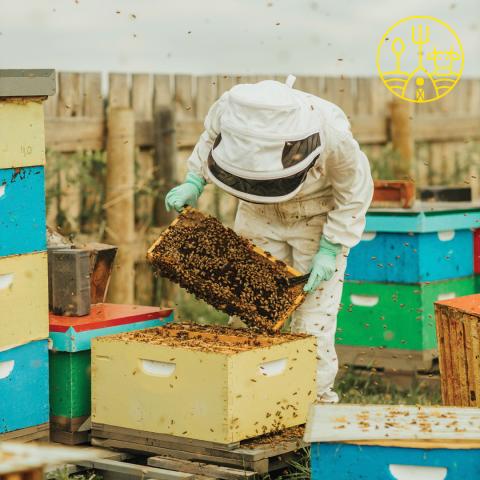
(208,383)
(393,193)
(458,334)
(225,270)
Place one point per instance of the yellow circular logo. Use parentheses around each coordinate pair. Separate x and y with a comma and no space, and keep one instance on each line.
(420,59)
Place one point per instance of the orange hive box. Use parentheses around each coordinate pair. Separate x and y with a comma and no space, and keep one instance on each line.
(458,334)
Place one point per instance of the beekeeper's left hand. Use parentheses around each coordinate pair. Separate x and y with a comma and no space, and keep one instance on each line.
(323,265)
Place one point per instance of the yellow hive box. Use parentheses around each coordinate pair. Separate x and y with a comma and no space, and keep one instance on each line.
(23,299)
(203,383)
(22,136)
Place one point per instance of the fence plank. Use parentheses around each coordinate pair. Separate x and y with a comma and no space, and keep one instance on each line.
(118,90)
(70,104)
(93,111)
(93,98)
(119,204)
(142,104)
(207,93)
(402,138)
(163,91)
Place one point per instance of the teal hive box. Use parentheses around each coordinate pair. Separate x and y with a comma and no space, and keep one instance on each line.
(22,210)
(24,386)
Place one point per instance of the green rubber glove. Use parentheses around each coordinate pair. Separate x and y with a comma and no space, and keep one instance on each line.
(323,265)
(186,193)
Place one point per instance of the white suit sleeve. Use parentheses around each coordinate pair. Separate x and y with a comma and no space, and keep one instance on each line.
(199,156)
(348,170)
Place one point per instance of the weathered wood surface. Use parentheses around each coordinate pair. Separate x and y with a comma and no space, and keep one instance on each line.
(260,457)
(133,470)
(119,204)
(458,334)
(30,434)
(199,468)
(337,423)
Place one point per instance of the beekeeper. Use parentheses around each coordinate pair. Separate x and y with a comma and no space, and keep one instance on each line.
(304,187)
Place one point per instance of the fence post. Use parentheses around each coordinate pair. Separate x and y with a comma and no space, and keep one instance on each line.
(165,153)
(165,173)
(120,211)
(402,137)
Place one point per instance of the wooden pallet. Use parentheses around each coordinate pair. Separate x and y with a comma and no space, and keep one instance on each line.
(259,455)
(396,360)
(289,271)
(38,433)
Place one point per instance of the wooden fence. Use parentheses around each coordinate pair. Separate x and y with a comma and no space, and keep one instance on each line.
(168,112)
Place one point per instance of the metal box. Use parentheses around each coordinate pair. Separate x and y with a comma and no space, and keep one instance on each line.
(218,385)
(70,281)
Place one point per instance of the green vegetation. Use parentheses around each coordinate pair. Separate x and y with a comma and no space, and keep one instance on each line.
(369,387)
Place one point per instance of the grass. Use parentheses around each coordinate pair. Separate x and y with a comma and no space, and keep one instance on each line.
(62,474)
(370,387)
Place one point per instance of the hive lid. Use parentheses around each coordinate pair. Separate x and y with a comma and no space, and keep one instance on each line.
(345,423)
(27,83)
(107,315)
(469,304)
(424,217)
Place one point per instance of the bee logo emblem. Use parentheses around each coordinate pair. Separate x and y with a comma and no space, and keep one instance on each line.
(420,59)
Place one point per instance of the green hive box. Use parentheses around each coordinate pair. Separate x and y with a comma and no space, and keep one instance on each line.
(70,386)
(392,324)
(70,379)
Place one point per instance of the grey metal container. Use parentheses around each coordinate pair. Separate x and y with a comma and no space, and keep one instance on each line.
(70,281)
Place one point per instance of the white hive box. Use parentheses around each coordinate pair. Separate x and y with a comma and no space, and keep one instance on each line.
(204,383)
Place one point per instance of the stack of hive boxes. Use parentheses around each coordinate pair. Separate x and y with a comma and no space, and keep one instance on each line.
(23,259)
(406,261)
(70,370)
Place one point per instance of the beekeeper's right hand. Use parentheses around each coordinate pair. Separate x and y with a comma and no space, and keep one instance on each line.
(186,193)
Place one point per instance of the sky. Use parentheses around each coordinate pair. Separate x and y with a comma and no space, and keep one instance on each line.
(303,37)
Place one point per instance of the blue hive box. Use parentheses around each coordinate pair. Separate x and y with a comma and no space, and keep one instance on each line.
(412,258)
(426,243)
(22,210)
(24,386)
(341,461)
(393,442)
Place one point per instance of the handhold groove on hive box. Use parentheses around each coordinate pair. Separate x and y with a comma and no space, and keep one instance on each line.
(226,270)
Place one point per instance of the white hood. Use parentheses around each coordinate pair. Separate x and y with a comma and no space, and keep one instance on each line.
(258,125)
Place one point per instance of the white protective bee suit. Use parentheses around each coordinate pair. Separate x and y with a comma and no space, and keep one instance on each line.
(287,205)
